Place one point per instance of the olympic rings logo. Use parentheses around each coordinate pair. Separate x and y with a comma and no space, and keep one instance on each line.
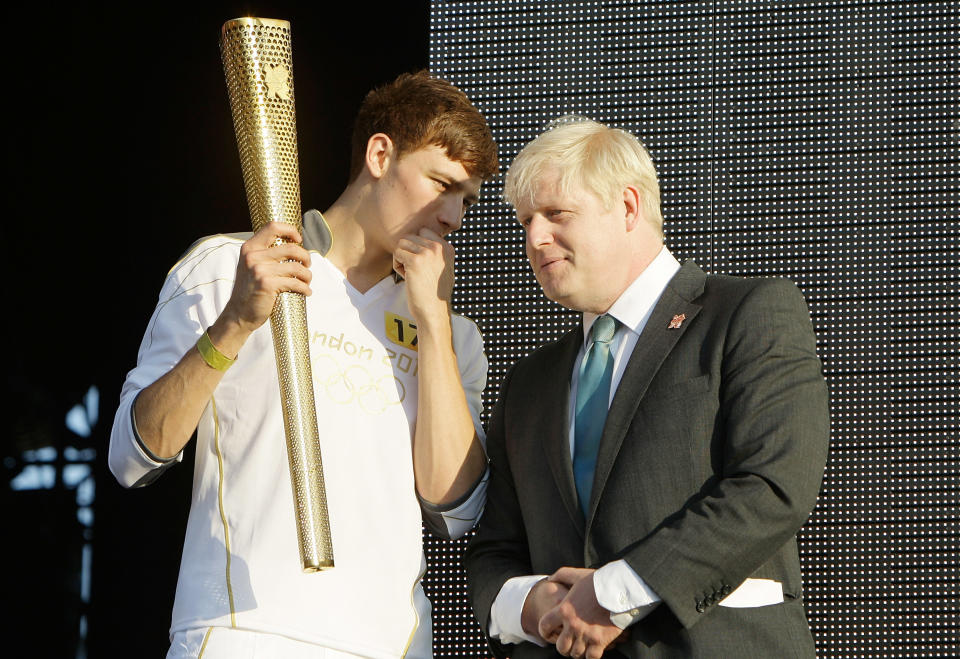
(356,384)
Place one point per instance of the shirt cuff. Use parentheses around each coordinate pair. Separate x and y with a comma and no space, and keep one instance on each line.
(622,592)
(150,455)
(455,519)
(507,609)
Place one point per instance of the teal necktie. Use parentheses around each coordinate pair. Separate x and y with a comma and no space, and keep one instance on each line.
(593,397)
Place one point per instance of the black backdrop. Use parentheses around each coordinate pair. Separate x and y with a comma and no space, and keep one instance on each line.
(817,140)
(119,153)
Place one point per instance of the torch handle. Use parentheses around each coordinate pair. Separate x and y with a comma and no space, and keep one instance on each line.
(258,64)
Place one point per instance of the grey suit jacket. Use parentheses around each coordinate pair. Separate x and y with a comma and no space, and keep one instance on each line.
(710,461)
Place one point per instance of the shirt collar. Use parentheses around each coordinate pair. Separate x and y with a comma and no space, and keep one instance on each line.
(635,304)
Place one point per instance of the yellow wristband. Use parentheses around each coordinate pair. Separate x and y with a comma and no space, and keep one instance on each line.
(213,357)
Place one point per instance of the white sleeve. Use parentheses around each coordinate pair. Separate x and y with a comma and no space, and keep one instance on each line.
(622,592)
(456,519)
(453,520)
(191,299)
(507,609)
(472,363)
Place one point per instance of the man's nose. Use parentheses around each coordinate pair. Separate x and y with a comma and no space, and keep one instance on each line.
(538,232)
(451,213)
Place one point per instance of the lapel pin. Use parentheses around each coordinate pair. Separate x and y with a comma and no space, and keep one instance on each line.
(677,321)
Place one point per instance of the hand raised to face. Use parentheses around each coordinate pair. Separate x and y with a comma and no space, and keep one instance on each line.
(425,261)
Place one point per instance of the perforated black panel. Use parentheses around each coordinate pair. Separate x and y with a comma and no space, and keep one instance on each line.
(814,140)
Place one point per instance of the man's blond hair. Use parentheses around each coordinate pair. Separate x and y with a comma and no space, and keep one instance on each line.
(590,155)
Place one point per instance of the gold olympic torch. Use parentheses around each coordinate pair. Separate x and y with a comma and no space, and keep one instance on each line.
(258,63)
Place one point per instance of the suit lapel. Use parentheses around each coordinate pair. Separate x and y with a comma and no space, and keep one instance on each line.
(654,344)
(556,430)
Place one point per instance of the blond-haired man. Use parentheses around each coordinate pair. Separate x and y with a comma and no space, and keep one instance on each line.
(650,469)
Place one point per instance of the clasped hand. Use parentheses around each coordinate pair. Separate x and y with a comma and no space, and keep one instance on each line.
(565,611)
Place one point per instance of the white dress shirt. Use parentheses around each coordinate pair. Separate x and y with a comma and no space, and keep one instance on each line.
(618,587)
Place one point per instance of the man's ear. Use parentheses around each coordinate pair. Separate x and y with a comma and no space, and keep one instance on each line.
(633,211)
(379,155)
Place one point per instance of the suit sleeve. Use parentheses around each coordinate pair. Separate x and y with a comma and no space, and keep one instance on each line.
(499,549)
(774,430)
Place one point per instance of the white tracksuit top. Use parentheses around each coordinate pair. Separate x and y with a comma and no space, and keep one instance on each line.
(240,564)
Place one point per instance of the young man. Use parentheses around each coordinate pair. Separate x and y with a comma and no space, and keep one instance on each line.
(657,461)
(397,377)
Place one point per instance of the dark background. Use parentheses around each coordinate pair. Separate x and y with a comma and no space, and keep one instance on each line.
(121,151)
(816,140)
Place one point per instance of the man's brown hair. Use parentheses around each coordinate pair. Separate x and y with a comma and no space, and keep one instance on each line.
(418,110)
